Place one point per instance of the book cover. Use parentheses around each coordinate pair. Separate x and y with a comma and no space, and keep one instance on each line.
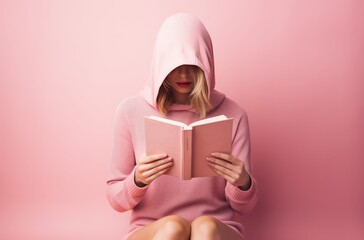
(188,145)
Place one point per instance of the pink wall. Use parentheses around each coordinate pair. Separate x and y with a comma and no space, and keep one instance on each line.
(295,66)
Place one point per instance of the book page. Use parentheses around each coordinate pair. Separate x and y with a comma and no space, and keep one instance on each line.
(165,120)
(208,120)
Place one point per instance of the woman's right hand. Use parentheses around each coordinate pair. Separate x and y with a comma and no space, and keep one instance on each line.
(151,167)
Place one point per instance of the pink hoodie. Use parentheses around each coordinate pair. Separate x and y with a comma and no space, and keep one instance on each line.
(182,39)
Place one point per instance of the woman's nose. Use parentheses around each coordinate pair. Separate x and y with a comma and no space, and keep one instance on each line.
(184,70)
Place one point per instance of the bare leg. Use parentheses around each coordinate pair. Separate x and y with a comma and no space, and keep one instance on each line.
(167,228)
(209,228)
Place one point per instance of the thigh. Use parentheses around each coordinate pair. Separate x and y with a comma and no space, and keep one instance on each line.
(207,227)
(171,223)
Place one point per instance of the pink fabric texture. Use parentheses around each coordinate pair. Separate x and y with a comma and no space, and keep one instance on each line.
(182,39)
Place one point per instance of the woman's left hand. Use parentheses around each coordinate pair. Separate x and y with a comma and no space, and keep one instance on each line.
(230,168)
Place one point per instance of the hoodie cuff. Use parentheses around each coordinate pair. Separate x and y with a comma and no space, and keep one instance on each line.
(240,196)
(133,189)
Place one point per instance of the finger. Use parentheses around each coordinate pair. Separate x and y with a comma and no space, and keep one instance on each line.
(152,158)
(158,174)
(148,166)
(226,157)
(147,177)
(224,170)
(223,163)
(227,177)
(155,170)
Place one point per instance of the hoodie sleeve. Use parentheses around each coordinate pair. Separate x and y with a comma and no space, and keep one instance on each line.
(242,201)
(123,194)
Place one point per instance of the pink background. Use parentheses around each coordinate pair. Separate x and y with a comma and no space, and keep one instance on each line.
(295,66)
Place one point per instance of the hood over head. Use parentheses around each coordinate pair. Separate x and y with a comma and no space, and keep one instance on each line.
(182,40)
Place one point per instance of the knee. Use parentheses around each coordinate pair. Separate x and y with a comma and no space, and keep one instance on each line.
(205,227)
(174,227)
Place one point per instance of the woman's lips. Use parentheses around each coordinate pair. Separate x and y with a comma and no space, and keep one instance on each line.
(184,84)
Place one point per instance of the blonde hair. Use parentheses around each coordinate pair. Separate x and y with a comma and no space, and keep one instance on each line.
(199,99)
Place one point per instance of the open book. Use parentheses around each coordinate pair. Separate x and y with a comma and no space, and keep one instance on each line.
(188,145)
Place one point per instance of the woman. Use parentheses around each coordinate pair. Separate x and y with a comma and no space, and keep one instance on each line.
(181,87)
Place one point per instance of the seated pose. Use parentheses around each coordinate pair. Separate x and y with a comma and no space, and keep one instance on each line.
(181,87)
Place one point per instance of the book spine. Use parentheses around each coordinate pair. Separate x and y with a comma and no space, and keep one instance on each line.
(187,154)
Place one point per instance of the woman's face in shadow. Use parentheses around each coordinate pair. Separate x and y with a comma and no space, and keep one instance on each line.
(182,79)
